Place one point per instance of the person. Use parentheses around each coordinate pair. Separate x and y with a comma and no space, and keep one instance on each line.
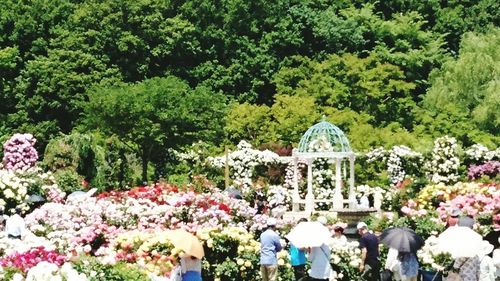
(453,218)
(468,268)
(338,235)
(409,266)
(487,269)
(364,202)
(298,259)
(269,247)
(15,227)
(370,264)
(320,263)
(466,221)
(190,268)
(393,264)
(3,218)
(496,260)
(260,202)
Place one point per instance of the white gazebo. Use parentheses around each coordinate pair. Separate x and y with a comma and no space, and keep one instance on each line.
(324,140)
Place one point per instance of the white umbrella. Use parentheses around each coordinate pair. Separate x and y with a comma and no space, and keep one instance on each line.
(309,234)
(460,241)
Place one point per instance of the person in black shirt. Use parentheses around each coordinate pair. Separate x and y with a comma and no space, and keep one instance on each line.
(370,264)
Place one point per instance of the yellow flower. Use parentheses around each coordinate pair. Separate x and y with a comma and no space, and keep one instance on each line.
(240,262)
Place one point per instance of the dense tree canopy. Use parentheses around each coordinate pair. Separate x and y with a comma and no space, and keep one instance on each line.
(155,115)
(467,89)
(281,64)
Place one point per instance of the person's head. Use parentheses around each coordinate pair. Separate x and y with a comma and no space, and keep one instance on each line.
(362,228)
(302,220)
(271,222)
(19,210)
(455,213)
(322,220)
(485,248)
(338,230)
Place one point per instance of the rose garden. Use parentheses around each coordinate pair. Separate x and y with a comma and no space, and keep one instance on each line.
(78,230)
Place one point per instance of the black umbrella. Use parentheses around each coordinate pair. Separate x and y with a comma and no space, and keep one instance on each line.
(35,198)
(402,239)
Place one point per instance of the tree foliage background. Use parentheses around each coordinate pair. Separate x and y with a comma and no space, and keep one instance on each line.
(385,72)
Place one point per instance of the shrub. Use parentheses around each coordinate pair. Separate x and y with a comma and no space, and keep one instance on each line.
(97,271)
(68,180)
(104,162)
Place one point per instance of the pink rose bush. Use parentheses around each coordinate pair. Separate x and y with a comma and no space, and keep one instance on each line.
(25,261)
(471,204)
(93,222)
(490,168)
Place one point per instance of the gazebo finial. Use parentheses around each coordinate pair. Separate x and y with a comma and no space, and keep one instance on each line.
(323,118)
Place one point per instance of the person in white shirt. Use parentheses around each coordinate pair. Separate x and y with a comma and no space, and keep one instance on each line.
(393,264)
(487,268)
(496,261)
(15,227)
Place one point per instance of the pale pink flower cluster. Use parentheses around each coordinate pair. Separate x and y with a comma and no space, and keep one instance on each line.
(410,210)
(471,204)
(19,152)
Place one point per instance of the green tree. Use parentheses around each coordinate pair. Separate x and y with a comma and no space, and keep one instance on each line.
(361,84)
(51,87)
(155,115)
(292,116)
(249,122)
(466,90)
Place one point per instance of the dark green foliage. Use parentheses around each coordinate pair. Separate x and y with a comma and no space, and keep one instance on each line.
(106,163)
(423,226)
(366,63)
(68,180)
(155,115)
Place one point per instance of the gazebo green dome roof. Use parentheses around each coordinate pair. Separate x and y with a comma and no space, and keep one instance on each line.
(324,137)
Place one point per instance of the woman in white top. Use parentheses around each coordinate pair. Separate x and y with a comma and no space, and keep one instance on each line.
(393,264)
(487,269)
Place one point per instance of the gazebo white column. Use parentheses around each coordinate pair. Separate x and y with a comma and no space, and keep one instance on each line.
(338,199)
(295,195)
(310,196)
(352,195)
